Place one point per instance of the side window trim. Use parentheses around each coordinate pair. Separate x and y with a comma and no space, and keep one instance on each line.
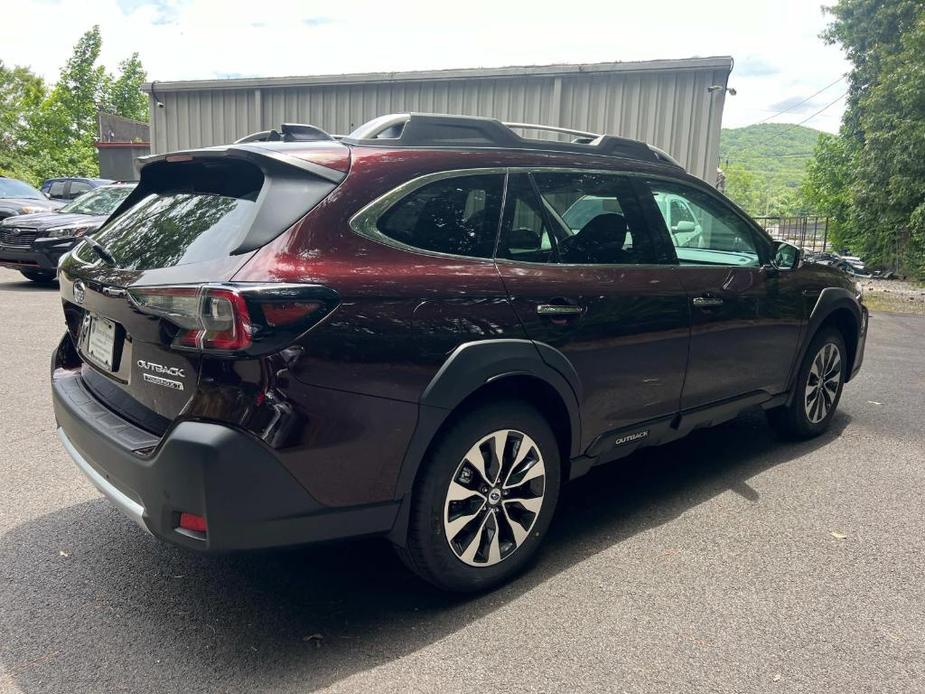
(365,221)
(653,216)
(514,175)
(548,218)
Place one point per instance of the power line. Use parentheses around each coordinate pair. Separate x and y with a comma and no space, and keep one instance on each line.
(800,103)
(824,108)
(738,155)
(744,162)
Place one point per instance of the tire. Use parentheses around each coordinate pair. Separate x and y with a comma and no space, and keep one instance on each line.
(41,276)
(814,402)
(493,535)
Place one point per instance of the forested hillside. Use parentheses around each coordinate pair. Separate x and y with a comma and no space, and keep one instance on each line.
(766,164)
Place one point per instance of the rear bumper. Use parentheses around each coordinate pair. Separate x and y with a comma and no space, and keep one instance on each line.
(43,256)
(236,482)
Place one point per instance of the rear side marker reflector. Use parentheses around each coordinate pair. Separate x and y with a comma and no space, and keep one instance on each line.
(285,314)
(193,523)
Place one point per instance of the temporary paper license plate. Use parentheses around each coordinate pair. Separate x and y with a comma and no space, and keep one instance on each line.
(100,341)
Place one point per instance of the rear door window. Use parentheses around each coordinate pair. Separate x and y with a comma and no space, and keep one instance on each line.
(58,189)
(589,218)
(526,235)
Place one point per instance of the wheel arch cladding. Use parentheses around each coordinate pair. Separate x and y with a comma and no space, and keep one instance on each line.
(486,369)
(837,307)
(846,323)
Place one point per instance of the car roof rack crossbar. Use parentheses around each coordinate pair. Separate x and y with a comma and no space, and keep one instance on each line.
(438,130)
(288,132)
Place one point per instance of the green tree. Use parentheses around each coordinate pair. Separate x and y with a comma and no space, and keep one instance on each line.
(125,96)
(774,157)
(827,187)
(45,134)
(878,168)
(21,94)
(61,134)
(742,187)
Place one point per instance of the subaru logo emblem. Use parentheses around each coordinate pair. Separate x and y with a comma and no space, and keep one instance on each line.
(80,292)
(14,232)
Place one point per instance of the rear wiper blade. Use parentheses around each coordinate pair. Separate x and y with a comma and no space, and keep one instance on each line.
(101,250)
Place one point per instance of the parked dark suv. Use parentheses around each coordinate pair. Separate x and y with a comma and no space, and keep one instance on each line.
(71,188)
(421,331)
(33,243)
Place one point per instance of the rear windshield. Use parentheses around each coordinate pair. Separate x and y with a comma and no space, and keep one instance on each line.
(200,211)
(167,229)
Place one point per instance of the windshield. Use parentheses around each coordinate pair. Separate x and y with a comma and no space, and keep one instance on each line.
(98,202)
(11,188)
(587,208)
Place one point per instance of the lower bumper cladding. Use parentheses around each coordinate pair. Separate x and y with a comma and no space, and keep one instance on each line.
(128,506)
(227,477)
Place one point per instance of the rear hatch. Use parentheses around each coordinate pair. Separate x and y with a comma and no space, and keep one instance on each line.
(148,298)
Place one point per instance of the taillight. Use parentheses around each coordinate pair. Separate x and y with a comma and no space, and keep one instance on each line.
(231,319)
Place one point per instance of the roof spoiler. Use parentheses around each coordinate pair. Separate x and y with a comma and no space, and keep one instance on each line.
(252,152)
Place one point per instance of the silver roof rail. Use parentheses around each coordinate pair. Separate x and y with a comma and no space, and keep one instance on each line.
(554,129)
(451,131)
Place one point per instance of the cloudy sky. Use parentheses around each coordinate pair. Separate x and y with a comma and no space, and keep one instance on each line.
(780,59)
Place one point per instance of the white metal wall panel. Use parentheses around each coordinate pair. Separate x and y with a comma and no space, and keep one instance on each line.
(670,107)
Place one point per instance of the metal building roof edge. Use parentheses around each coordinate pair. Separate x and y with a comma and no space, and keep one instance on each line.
(708,63)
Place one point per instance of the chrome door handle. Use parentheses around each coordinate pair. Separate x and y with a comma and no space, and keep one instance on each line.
(706,301)
(558,310)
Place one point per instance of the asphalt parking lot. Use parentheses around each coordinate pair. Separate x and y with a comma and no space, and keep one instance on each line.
(729,561)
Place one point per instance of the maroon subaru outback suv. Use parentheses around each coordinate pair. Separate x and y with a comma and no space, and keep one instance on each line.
(421,331)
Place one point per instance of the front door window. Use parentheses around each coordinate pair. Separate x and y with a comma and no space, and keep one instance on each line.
(704,231)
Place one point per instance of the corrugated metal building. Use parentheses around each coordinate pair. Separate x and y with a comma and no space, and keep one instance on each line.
(676,105)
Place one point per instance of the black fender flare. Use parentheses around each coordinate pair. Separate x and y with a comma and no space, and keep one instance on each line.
(830,299)
(468,368)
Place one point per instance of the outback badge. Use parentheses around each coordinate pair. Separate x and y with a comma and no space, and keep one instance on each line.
(161,369)
(631,437)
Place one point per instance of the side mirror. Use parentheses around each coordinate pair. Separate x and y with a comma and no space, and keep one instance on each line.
(786,256)
(684,227)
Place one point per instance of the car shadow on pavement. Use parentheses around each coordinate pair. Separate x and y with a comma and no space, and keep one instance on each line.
(29,286)
(87,602)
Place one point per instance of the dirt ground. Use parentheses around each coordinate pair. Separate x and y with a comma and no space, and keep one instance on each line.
(894,296)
